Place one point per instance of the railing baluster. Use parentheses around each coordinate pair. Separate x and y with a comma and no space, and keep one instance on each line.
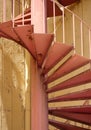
(54,21)
(63,25)
(22,12)
(82,22)
(73,19)
(13,11)
(90,43)
(81,26)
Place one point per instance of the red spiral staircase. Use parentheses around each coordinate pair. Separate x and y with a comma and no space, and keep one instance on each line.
(48,54)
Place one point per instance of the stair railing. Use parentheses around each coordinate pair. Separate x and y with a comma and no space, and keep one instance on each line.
(74,17)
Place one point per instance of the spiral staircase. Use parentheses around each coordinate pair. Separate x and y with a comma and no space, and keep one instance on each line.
(56,60)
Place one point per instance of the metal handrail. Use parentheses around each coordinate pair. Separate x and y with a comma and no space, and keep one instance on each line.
(82,23)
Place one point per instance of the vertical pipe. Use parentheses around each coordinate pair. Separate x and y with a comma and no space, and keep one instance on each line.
(4,10)
(38,15)
(44,16)
(39,108)
(73,19)
(81,26)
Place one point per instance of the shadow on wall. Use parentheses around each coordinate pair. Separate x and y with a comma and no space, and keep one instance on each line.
(12,88)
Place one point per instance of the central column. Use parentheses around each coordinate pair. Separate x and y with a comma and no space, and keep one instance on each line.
(39,109)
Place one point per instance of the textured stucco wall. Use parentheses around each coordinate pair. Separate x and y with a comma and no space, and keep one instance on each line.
(14,81)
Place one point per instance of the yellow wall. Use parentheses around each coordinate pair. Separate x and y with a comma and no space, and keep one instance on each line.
(14,81)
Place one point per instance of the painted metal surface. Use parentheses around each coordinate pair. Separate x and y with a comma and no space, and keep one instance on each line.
(4,35)
(57,52)
(24,33)
(38,44)
(65,126)
(86,109)
(39,106)
(72,64)
(42,44)
(7,29)
(81,95)
(80,79)
(78,117)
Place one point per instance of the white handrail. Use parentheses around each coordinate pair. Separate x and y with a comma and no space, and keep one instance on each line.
(60,7)
(82,24)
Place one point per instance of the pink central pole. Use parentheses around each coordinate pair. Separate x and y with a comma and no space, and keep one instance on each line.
(39,109)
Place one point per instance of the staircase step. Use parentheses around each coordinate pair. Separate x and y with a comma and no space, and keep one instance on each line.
(24,33)
(37,44)
(42,43)
(81,95)
(73,63)
(7,29)
(4,36)
(67,2)
(57,52)
(80,79)
(65,126)
(78,117)
(86,109)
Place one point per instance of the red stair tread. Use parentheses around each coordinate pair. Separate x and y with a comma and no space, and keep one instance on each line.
(80,79)
(7,29)
(77,109)
(4,35)
(37,44)
(81,95)
(79,117)
(73,63)
(65,126)
(24,33)
(56,53)
(42,43)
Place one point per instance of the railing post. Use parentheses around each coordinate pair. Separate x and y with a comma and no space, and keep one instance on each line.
(13,11)
(63,24)
(73,19)
(54,21)
(22,12)
(90,43)
(81,25)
